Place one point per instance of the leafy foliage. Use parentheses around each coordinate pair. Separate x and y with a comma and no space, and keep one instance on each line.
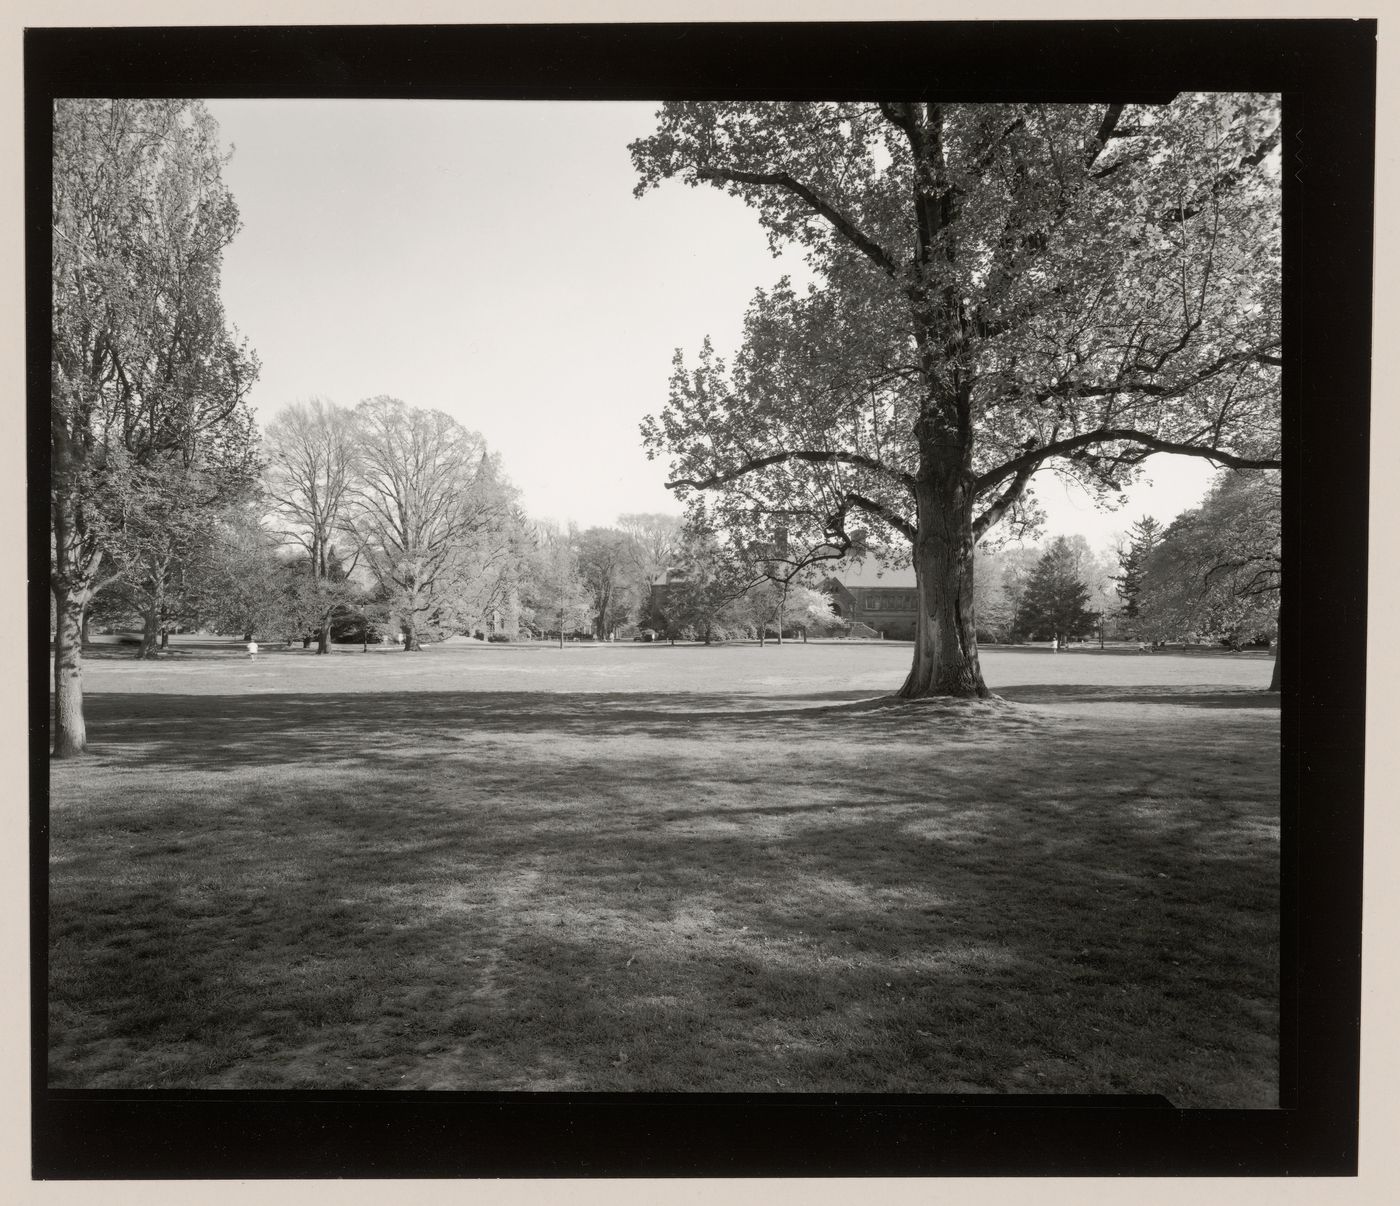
(605,558)
(432,515)
(554,596)
(313,463)
(1000,289)
(1218,570)
(147,378)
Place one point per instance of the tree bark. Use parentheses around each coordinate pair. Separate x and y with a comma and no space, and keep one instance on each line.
(323,637)
(150,635)
(83,627)
(411,643)
(945,630)
(70,731)
(1276,679)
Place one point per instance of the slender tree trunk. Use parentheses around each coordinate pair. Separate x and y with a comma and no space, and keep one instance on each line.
(83,627)
(945,631)
(1276,679)
(69,729)
(164,637)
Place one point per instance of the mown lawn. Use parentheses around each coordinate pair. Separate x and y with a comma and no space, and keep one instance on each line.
(652,869)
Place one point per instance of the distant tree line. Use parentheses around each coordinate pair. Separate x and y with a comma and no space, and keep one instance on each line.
(1213,574)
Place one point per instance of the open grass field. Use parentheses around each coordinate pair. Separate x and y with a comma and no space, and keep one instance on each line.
(647,868)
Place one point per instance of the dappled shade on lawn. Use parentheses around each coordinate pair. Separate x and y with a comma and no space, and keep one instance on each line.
(646,891)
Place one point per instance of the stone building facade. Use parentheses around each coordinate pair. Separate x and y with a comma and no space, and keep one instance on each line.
(887,600)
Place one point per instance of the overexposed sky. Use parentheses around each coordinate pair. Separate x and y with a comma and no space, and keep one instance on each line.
(488,259)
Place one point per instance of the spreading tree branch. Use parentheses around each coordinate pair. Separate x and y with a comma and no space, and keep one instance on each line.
(1034,458)
(890,516)
(1003,503)
(812,455)
(818,204)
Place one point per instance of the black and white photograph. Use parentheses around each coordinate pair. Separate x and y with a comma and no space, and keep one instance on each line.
(790,592)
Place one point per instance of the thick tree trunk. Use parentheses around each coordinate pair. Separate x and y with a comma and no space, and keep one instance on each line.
(323,637)
(150,634)
(411,643)
(83,628)
(1276,679)
(945,631)
(165,638)
(69,729)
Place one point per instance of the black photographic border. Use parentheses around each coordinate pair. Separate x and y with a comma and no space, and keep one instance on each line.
(1326,73)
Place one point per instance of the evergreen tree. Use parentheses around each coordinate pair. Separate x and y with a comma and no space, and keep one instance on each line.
(1055,603)
(1143,537)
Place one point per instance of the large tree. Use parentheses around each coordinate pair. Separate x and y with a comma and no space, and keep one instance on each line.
(553,594)
(432,514)
(313,465)
(655,540)
(999,289)
(166,517)
(243,581)
(706,592)
(143,364)
(605,558)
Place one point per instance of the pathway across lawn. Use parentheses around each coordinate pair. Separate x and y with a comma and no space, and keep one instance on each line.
(653,868)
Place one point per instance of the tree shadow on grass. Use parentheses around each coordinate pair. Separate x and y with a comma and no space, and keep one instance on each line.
(1180,696)
(233,732)
(646,892)
(948,930)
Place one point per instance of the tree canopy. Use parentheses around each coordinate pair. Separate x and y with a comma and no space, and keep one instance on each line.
(148,381)
(1218,568)
(1000,289)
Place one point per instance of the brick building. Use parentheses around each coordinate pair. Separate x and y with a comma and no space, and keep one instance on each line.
(864,592)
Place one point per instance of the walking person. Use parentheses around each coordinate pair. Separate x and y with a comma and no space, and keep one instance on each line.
(252,651)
